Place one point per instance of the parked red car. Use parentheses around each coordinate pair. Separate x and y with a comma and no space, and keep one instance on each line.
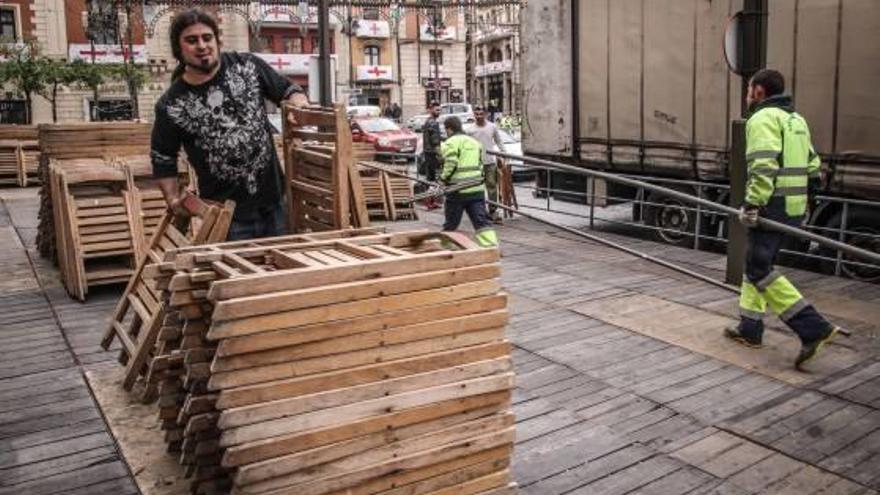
(384,134)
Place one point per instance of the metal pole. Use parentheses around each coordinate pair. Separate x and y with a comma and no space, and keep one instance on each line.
(592,202)
(841,236)
(737,237)
(324,52)
(435,24)
(350,52)
(672,193)
(399,66)
(754,43)
(698,224)
(547,186)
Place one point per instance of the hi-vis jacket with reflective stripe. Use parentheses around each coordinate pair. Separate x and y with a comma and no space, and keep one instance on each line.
(461,162)
(781,160)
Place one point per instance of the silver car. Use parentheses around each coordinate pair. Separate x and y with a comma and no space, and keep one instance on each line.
(464,111)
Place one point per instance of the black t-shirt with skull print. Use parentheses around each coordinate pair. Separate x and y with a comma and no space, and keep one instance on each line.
(223,127)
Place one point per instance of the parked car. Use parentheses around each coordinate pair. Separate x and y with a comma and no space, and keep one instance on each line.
(463,111)
(384,134)
(360,111)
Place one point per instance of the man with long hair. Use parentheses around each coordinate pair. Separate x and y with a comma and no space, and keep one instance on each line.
(214,110)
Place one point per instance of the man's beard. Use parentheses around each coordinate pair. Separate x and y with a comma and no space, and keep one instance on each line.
(205,68)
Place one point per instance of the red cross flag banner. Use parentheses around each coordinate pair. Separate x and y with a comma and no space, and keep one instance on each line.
(296,64)
(373,29)
(374,73)
(107,54)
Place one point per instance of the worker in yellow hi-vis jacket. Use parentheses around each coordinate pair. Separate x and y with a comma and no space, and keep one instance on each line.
(462,162)
(782,169)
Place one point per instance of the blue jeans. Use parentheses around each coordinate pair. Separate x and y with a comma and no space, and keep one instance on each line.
(267,221)
(474,207)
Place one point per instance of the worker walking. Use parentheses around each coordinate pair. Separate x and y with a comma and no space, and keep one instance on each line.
(462,162)
(490,139)
(782,169)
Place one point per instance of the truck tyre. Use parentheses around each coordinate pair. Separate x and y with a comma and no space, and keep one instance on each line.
(674,220)
(863,230)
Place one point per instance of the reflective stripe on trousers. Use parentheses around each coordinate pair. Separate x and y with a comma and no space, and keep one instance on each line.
(775,291)
(487,237)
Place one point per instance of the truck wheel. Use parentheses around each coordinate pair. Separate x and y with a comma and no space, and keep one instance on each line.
(674,219)
(863,230)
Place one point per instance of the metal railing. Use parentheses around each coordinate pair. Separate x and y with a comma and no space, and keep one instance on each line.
(702,212)
(699,210)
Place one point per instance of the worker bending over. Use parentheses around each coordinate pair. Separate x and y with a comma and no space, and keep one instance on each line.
(783,168)
(462,162)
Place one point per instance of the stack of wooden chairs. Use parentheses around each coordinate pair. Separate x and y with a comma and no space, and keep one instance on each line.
(324,187)
(388,195)
(97,141)
(140,314)
(151,202)
(19,154)
(104,217)
(353,361)
(95,220)
(375,195)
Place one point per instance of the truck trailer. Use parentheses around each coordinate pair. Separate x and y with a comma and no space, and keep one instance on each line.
(643,87)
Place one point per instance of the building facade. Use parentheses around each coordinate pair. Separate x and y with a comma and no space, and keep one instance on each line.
(433,55)
(408,56)
(60,28)
(494,59)
(288,40)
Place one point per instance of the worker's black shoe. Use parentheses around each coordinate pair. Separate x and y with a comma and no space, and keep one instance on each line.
(811,349)
(734,332)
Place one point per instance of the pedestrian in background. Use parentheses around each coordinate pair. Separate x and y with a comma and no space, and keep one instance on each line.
(486,133)
(431,140)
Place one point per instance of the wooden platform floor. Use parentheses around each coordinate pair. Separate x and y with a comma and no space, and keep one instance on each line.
(624,384)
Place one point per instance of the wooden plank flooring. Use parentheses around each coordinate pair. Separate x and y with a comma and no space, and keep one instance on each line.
(616,400)
(608,401)
(53,438)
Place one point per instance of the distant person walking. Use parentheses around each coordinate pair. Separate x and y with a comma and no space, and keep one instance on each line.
(486,133)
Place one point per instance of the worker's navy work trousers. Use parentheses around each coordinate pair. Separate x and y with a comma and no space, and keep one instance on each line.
(475,207)
(763,286)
